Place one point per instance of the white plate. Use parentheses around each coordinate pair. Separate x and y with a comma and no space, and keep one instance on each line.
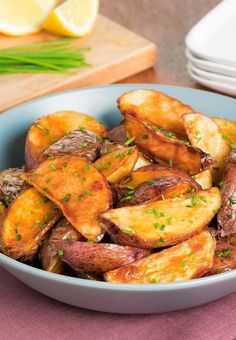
(213,37)
(213,76)
(218,86)
(210,65)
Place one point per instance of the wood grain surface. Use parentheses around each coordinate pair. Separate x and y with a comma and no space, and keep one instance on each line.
(166,23)
(116,52)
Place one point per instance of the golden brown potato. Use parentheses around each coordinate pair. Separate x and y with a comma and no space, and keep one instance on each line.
(26,223)
(185,261)
(48,129)
(224,259)
(163,145)
(156,108)
(154,171)
(204,179)
(226,216)
(117,164)
(97,258)
(50,259)
(11,185)
(153,190)
(205,134)
(228,128)
(78,188)
(162,223)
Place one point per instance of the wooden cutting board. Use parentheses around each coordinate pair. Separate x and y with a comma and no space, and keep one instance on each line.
(116,53)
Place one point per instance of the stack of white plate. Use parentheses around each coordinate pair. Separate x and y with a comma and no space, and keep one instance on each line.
(211,49)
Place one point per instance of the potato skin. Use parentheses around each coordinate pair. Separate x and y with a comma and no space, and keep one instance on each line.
(78,143)
(97,258)
(48,129)
(224,259)
(153,171)
(187,260)
(11,185)
(158,145)
(117,134)
(159,188)
(49,258)
(226,216)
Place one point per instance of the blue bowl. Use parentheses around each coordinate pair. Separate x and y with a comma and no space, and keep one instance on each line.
(100,102)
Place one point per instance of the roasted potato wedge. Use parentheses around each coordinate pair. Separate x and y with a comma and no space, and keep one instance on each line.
(117,164)
(48,129)
(204,179)
(226,216)
(117,134)
(142,161)
(83,144)
(228,128)
(50,259)
(162,223)
(224,259)
(26,223)
(205,134)
(185,261)
(11,185)
(97,258)
(154,171)
(78,188)
(156,108)
(159,188)
(165,146)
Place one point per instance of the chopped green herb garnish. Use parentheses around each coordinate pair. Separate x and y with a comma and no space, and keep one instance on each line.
(130,141)
(99,166)
(82,129)
(221,183)
(88,192)
(90,241)
(225,253)
(65,164)
(39,126)
(60,252)
(150,181)
(75,173)
(153,281)
(185,141)
(130,151)
(170,220)
(126,198)
(67,197)
(232,200)
(83,179)
(170,162)
(87,167)
(18,237)
(184,264)
(155,128)
(160,242)
(50,156)
(190,253)
(160,226)
(155,212)
(120,155)
(53,167)
(229,216)
(145,136)
(48,180)
(218,271)
(69,132)
(169,134)
(107,165)
(84,145)
(5,182)
(126,231)
(202,198)
(197,136)
(80,196)
(37,221)
(63,145)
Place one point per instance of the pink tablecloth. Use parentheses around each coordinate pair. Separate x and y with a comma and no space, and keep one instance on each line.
(28,315)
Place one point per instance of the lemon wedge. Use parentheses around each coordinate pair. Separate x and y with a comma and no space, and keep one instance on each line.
(21,17)
(73,18)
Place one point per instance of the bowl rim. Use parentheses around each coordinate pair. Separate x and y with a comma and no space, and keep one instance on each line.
(131,287)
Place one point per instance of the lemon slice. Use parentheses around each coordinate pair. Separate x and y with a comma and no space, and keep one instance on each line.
(21,17)
(73,18)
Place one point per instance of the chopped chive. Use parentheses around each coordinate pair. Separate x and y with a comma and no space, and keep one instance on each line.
(39,126)
(82,129)
(153,281)
(75,173)
(99,166)
(145,136)
(184,264)
(126,231)
(53,167)
(150,181)
(60,252)
(88,192)
(67,197)
(120,155)
(80,196)
(232,200)
(65,164)
(170,162)
(87,167)
(130,141)
(130,151)
(160,242)
(84,145)
(126,198)
(48,180)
